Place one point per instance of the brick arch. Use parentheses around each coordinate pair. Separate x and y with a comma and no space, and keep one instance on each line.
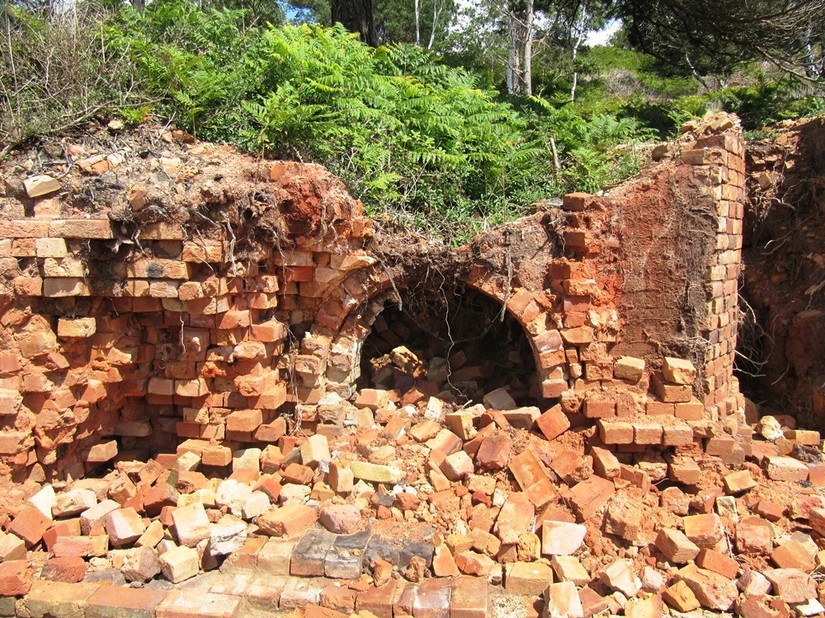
(346,317)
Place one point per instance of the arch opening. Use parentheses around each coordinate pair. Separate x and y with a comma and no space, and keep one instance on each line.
(455,343)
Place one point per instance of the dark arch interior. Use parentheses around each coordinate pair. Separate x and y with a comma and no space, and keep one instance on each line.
(463,339)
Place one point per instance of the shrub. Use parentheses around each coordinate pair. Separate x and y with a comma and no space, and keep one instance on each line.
(56,72)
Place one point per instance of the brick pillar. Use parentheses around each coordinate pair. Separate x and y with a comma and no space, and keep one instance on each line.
(719,163)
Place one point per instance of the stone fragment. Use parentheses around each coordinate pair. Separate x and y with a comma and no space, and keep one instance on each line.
(376,473)
(179,564)
(191,523)
(124,526)
(782,468)
(678,370)
(619,575)
(712,590)
(561,538)
(44,500)
(562,600)
(675,546)
(791,585)
(680,597)
(42,184)
(227,536)
(340,518)
(288,520)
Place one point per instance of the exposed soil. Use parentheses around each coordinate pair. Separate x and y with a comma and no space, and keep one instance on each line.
(782,362)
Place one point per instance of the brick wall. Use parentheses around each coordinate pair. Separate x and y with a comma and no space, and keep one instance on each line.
(140,328)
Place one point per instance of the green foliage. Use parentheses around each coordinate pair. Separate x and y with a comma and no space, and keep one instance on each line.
(421,143)
(593,152)
(198,65)
(402,131)
(768,103)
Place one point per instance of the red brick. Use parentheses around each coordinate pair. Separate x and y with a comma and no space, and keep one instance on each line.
(470,598)
(587,497)
(244,420)
(739,482)
(718,562)
(380,601)
(605,463)
(532,477)
(691,411)
(712,590)
(616,432)
(553,423)
(675,546)
(754,535)
(793,555)
(15,578)
(30,525)
(595,408)
(109,601)
(704,530)
(494,452)
(287,520)
(198,604)
(677,435)
(791,585)
(69,569)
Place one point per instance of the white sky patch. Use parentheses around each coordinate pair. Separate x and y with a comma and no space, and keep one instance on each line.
(601,37)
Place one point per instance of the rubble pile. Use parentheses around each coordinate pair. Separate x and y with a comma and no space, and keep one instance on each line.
(405,495)
(224,390)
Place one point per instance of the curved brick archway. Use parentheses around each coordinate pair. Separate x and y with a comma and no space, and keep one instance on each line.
(347,316)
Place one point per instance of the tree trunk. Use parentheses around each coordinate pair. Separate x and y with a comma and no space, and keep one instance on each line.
(356,16)
(513,69)
(417,6)
(437,7)
(527,77)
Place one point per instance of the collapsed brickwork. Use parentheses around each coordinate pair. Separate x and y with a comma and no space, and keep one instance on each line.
(254,376)
(170,313)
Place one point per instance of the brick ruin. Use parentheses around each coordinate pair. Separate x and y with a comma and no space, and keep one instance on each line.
(197,309)
(126,337)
